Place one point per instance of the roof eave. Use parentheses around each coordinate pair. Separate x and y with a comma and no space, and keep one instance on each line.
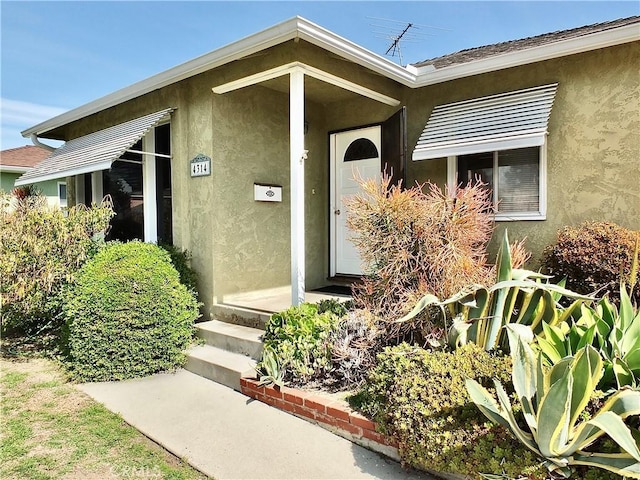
(296,27)
(427,75)
(14,169)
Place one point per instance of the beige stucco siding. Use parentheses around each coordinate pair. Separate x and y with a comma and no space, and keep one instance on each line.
(593,149)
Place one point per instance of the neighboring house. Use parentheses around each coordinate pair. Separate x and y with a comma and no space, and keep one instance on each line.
(16,161)
(243,156)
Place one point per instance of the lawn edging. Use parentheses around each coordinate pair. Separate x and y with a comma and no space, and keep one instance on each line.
(324,411)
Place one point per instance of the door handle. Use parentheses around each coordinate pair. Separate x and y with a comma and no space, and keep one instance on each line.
(337,212)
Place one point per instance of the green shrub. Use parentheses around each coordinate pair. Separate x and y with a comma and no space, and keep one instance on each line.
(41,249)
(594,257)
(419,398)
(334,306)
(181,260)
(298,339)
(127,314)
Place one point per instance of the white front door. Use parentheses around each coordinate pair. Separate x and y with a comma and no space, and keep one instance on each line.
(354,154)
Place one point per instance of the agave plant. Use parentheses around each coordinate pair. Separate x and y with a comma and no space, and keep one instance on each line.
(269,369)
(553,402)
(615,333)
(520,296)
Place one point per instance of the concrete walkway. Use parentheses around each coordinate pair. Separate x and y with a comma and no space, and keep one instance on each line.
(226,435)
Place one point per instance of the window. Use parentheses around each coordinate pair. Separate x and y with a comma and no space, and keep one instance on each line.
(515,178)
(62,194)
(360,149)
(500,138)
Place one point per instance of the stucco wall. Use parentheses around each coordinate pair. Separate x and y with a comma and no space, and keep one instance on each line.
(593,149)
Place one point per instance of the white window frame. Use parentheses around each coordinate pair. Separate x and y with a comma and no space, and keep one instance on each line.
(60,201)
(541,214)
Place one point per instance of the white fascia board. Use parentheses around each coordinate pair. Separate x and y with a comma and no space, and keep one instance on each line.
(426,75)
(96,167)
(328,40)
(14,169)
(296,27)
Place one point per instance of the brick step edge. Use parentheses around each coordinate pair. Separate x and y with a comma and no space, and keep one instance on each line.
(330,414)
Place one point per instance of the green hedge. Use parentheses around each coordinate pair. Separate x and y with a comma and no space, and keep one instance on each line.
(127,315)
(419,398)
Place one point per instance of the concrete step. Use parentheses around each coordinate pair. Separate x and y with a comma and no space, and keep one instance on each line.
(219,365)
(233,338)
(240,315)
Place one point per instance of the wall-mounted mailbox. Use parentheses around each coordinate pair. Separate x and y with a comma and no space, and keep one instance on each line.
(267,193)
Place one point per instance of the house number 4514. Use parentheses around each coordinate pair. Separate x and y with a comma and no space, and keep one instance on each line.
(200,166)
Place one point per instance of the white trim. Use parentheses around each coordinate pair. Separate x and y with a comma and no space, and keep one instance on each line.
(97,189)
(541,214)
(141,152)
(426,75)
(259,77)
(149,194)
(307,70)
(332,204)
(452,173)
(297,157)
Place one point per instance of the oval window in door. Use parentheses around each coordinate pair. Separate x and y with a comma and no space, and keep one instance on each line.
(360,149)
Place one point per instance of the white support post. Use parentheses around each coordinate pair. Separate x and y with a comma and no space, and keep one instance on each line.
(297,157)
(149,208)
(97,190)
(80,195)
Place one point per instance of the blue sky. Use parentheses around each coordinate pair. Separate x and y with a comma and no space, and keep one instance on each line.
(59,55)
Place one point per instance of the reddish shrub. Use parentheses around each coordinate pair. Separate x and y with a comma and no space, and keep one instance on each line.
(417,241)
(594,257)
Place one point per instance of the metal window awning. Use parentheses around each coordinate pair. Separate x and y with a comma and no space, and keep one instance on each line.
(499,122)
(93,152)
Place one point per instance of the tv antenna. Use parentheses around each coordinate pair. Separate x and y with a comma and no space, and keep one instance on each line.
(398,32)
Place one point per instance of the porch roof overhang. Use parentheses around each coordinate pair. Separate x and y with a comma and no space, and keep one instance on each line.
(306,70)
(93,152)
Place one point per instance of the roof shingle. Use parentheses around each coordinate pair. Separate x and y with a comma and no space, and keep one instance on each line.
(479,53)
(27,156)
